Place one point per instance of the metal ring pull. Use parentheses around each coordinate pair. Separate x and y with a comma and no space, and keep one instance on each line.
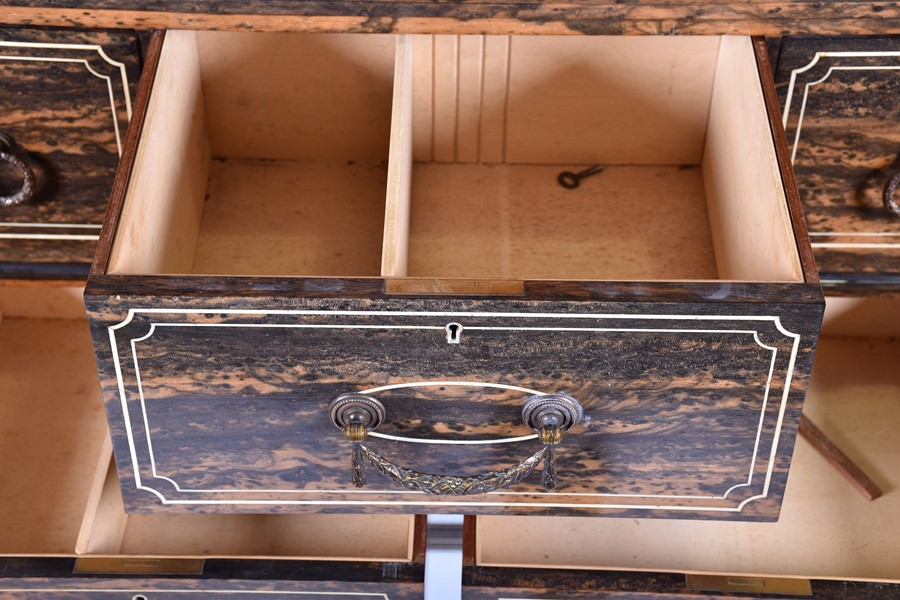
(9,155)
(550,415)
(890,203)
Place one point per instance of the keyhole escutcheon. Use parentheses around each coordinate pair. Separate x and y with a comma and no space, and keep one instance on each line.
(454,332)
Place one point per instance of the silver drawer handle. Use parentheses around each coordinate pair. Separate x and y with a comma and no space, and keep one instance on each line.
(8,154)
(890,203)
(550,415)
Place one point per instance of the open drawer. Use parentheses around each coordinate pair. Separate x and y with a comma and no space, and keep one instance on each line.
(302,217)
(62,526)
(829,543)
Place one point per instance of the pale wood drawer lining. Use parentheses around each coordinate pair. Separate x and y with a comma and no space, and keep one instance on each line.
(332,155)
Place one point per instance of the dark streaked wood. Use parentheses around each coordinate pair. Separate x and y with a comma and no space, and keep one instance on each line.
(795,208)
(45,271)
(416,286)
(59,113)
(773,45)
(103,589)
(840,461)
(702,292)
(420,538)
(492,583)
(849,147)
(469,532)
(132,138)
(483,583)
(665,406)
(42,577)
(447,16)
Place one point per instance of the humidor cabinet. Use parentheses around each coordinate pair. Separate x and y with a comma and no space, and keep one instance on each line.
(301,217)
(63,529)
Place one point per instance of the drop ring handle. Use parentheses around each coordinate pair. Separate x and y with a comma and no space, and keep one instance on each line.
(890,202)
(550,415)
(10,155)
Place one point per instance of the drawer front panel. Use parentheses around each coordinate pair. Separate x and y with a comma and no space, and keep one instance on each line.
(841,103)
(544,584)
(153,589)
(43,577)
(66,103)
(226,409)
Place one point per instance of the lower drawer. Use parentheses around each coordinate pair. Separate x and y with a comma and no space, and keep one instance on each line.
(86,588)
(62,525)
(830,542)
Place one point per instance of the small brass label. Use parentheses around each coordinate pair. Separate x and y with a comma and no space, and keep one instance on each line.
(140,566)
(461,287)
(736,583)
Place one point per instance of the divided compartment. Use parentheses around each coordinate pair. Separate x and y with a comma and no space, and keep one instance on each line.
(483,125)
(59,495)
(436,157)
(465,206)
(261,154)
(827,529)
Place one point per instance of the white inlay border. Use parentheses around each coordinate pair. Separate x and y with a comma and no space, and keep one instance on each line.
(121,75)
(888,243)
(140,484)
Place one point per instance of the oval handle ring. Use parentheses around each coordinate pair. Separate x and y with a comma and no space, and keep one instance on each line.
(890,202)
(9,155)
(550,415)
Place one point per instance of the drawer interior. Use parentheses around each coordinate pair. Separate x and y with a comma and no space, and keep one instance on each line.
(870,316)
(59,495)
(438,156)
(108,531)
(262,154)
(827,530)
(689,189)
(52,427)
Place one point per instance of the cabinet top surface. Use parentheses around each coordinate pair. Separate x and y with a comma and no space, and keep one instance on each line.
(551,17)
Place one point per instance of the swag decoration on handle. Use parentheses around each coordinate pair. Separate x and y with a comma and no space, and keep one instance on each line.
(550,415)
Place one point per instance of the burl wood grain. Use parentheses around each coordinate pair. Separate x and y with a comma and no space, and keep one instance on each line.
(473,16)
(56,103)
(848,148)
(692,408)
